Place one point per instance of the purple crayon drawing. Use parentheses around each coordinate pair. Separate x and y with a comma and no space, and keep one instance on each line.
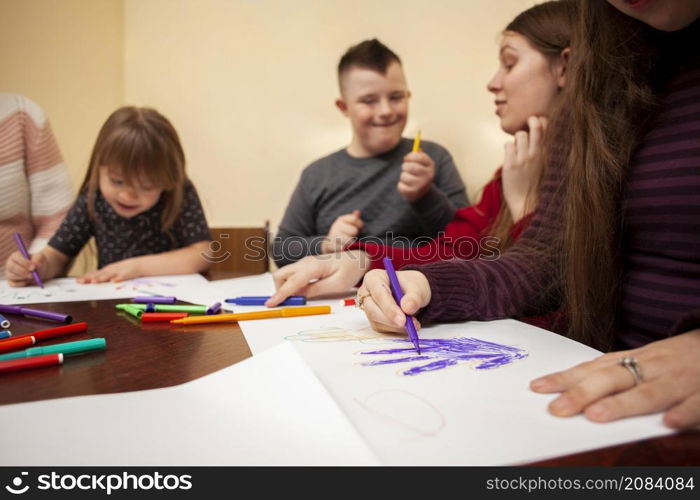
(441,353)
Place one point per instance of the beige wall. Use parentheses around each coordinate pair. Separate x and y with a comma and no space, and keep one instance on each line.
(250,84)
(67,55)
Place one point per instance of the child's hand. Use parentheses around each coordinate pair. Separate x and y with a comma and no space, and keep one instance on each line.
(18,270)
(116,272)
(343,231)
(417,173)
(522,168)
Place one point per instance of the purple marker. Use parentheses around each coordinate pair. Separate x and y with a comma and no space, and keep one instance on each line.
(27,311)
(61,318)
(154,300)
(25,254)
(5,309)
(214,308)
(398,295)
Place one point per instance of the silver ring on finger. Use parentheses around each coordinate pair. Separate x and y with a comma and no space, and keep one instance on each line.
(632,366)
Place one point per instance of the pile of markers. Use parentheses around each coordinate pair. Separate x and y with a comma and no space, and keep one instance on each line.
(159,309)
(164,309)
(16,352)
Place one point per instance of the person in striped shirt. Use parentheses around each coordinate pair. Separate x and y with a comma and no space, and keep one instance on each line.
(35,187)
(616,240)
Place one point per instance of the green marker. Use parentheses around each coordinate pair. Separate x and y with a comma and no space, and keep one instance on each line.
(181,308)
(134,311)
(192,309)
(66,348)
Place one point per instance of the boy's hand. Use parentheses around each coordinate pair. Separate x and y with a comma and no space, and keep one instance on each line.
(343,231)
(18,270)
(417,174)
(522,168)
(116,272)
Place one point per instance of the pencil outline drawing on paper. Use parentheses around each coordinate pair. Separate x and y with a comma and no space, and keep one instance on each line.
(405,410)
(443,353)
(337,334)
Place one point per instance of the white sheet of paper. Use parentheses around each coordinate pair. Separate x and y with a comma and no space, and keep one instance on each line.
(267,410)
(69,290)
(458,415)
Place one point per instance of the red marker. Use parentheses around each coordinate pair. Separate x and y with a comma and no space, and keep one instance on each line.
(347,302)
(33,362)
(17,343)
(164,317)
(51,333)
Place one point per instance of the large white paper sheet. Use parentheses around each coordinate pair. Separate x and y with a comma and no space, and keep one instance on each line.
(267,410)
(69,290)
(459,415)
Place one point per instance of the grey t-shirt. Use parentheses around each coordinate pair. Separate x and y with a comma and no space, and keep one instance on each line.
(339,183)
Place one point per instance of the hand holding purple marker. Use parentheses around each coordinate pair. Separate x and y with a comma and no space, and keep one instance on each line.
(25,254)
(398,295)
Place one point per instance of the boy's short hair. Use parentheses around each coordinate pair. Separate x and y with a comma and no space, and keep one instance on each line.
(370,54)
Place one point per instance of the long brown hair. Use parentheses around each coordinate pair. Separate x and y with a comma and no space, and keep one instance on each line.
(145,146)
(610,97)
(548,27)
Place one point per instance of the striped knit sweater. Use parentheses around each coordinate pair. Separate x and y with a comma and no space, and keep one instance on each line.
(35,188)
(660,292)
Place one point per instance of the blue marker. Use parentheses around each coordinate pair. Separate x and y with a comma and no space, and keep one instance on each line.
(214,308)
(4,322)
(294,300)
(5,334)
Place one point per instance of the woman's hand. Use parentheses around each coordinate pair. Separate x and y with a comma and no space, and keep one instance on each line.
(604,390)
(379,305)
(330,273)
(522,168)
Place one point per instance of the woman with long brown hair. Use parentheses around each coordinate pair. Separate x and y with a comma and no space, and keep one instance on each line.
(616,240)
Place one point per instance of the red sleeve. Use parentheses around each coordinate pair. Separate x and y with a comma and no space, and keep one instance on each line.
(460,239)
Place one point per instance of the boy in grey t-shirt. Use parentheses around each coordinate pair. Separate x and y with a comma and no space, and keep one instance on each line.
(376,187)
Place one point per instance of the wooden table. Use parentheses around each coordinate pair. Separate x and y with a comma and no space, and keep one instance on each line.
(159,355)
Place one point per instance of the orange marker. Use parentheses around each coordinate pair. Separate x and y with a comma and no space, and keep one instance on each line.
(286,312)
(17,343)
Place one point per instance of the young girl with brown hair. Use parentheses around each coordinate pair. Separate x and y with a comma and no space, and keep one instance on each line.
(138,203)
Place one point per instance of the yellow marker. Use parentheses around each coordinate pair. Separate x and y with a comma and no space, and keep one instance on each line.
(416,142)
(286,312)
